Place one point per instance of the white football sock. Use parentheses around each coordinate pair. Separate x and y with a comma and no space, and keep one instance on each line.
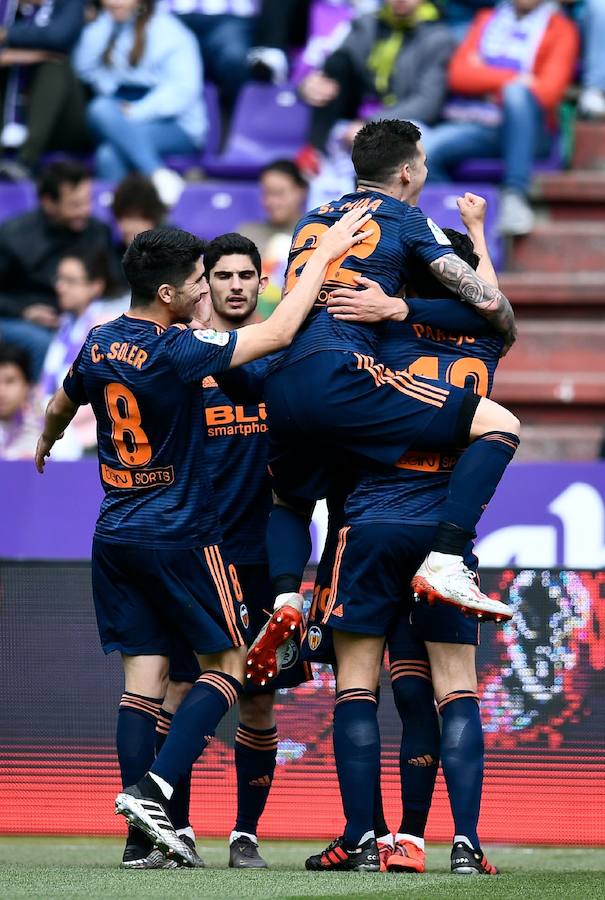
(165,788)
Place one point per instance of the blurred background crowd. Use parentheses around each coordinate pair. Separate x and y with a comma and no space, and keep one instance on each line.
(119,115)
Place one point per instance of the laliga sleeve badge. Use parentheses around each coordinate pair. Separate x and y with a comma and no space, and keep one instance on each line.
(211,336)
(438,234)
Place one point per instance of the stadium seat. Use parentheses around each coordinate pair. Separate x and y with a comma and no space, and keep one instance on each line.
(492,170)
(16,198)
(211,209)
(269,123)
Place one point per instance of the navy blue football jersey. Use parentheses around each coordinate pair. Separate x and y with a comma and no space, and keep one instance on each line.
(401,238)
(236,450)
(442,339)
(144,383)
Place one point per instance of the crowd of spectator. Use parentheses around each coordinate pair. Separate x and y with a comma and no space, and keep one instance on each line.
(117,87)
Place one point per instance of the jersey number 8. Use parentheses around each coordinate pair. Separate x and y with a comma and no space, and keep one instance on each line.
(129,439)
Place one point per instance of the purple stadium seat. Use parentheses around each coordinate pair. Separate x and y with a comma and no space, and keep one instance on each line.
(269,123)
(16,198)
(491,170)
(439,203)
(211,209)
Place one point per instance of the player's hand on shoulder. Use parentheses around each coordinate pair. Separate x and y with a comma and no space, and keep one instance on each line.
(370,304)
(346,232)
(473,209)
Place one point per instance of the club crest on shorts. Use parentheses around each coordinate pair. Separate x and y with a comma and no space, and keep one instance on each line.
(244,616)
(288,654)
(314,637)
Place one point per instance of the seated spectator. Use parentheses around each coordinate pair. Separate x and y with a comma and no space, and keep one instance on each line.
(19,419)
(398,57)
(31,245)
(224,29)
(458,15)
(86,297)
(145,70)
(511,71)
(283,194)
(592,99)
(41,100)
(136,207)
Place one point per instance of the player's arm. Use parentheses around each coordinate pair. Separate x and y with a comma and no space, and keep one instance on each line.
(473,209)
(277,332)
(489,301)
(59,413)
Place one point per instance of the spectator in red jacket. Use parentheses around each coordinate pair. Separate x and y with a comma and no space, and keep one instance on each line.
(509,74)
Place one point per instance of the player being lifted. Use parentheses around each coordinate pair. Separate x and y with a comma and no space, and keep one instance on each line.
(328,396)
(390,519)
(157,568)
(236,452)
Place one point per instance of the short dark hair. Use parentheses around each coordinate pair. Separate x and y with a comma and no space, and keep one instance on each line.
(228,245)
(381,148)
(286,167)
(160,256)
(97,265)
(56,174)
(424,284)
(137,195)
(11,355)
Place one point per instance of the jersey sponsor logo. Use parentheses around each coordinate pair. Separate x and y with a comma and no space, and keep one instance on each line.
(438,234)
(314,636)
(225,421)
(427,461)
(143,478)
(244,615)
(211,336)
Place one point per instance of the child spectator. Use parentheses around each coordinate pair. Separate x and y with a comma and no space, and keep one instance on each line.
(19,419)
(86,297)
(511,72)
(41,100)
(144,68)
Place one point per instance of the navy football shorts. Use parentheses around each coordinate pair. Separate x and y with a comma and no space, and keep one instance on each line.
(335,405)
(371,594)
(255,596)
(146,599)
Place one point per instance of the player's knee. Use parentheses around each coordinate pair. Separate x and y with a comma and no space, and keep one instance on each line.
(231,662)
(175,694)
(411,694)
(256,711)
(491,416)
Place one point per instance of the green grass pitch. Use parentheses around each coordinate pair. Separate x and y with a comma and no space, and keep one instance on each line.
(87,867)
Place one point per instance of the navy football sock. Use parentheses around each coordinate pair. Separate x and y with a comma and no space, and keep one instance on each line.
(289,548)
(462,759)
(419,755)
(357,754)
(194,724)
(473,483)
(135,735)
(380,826)
(178,805)
(255,757)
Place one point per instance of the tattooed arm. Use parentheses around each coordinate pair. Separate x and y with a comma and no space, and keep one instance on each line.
(490,302)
